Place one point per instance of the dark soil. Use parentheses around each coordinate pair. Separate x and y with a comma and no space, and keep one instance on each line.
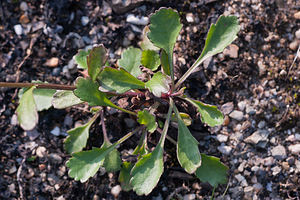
(263,67)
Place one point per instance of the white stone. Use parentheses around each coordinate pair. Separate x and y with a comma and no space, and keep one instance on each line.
(23,6)
(295,149)
(84,20)
(41,152)
(190,17)
(116,190)
(242,105)
(222,138)
(279,152)
(261,124)
(136,20)
(189,197)
(18,29)
(258,136)
(237,115)
(55,131)
(225,149)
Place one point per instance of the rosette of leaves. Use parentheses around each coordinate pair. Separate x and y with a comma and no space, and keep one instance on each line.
(155,59)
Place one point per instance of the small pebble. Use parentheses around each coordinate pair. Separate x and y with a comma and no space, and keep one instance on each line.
(189,197)
(41,151)
(55,158)
(261,124)
(55,131)
(116,190)
(279,152)
(23,6)
(190,17)
(222,138)
(258,136)
(242,105)
(225,149)
(237,115)
(297,15)
(231,51)
(52,62)
(227,108)
(295,149)
(84,20)
(293,45)
(136,20)
(18,29)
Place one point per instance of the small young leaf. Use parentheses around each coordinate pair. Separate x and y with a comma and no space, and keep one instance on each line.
(147,171)
(158,84)
(78,137)
(119,80)
(65,98)
(85,164)
(43,98)
(212,171)
(26,111)
(164,28)
(124,176)
(209,114)
(131,61)
(81,59)
(95,61)
(146,44)
(150,59)
(187,147)
(112,161)
(145,118)
(165,62)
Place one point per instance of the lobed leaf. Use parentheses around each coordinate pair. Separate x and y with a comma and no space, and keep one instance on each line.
(146,44)
(27,111)
(112,161)
(124,176)
(81,58)
(95,61)
(43,98)
(131,61)
(85,164)
(150,59)
(147,171)
(65,98)
(187,147)
(147,119)
(212,171)
(164,29)
(158,84)
(119,80)
(78,137)
(210,114)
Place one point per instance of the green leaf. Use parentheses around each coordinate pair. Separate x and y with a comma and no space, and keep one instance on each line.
(119,80)
(212,171)
(146,44)
(65,98)
(87,90)
(158,84)
(131,61)
(85,164)
(112,161)
(145,118)
(219,36)
(78,137)
(210,115)
(165,62)
(27,111)
(147,171)
(43,98)
(95,61)
(184,116)
(124,176)
(81,58)
(164,28)
(188,153)
(150,59)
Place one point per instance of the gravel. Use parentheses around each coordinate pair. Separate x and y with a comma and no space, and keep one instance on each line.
(237,115)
